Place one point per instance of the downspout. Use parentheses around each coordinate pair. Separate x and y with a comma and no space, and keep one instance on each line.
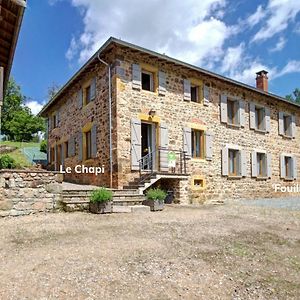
(110,119)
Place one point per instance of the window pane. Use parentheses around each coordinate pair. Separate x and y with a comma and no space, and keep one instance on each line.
(194,94)
(147,81)
(88,145)
(198,143)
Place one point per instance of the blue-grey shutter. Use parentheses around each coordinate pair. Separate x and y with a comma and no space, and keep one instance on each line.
(280,123)
(282,166)
(55,158)
(225,169)
(242,113)
(187,90)
(294,167)
(269,165)
(136,77)
(80,147)
(243,163)
(223,107)
(268,119)
(206,95)
(57,118)
(71,147)
(293,126)
(208,145)
(164,144)
(49,154)
(187,141)
(93,89)
(252,115)
(50,126)
(162,83)
(1,85)
(46,128)
(254,163)
(80,98)
(62,155)
(136,144)
(94,140)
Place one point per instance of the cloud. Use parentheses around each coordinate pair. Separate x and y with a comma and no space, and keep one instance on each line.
(188,30)
(35,106)
(278,13)
(292,66)
(280,45)
(232,58)
(255,18)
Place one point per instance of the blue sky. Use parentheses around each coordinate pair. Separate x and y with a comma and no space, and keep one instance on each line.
(233,38)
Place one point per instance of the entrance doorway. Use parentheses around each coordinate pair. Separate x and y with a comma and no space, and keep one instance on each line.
(148,131)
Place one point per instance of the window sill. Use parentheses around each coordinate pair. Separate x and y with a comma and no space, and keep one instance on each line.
(289,137)
(149,92)
(197,102)
(234,177)
(193,159)
(196,189)
(233,125)
(85,106)
(262,178)
(288,179)
(260,131)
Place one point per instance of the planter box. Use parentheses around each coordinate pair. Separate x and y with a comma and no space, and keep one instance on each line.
(101,207)
(155,205)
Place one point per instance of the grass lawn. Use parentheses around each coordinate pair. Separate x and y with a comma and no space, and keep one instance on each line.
(20,144)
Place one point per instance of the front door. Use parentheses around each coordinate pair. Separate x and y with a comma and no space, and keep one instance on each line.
(148,149)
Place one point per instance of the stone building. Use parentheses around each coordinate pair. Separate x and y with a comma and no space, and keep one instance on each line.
(165,122)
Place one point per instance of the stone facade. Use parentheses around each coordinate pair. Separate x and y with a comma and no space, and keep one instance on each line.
(172,110)
(28,192)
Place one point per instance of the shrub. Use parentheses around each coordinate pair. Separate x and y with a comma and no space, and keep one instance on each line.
(156,194)
(43,146)
(101,195)
(7,162)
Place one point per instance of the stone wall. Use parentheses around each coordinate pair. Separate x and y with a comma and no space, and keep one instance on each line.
(28,192)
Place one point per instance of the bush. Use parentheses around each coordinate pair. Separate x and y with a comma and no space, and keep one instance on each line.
(156,194)
(7,162)
(43,146)
(101,195)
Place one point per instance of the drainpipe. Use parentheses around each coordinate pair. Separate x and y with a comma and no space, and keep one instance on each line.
(110,120)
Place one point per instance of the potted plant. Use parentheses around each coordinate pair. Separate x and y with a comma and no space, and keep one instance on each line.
(101,201)
(155,199)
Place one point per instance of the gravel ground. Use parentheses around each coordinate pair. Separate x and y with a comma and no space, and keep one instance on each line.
(283,203)
(226,252)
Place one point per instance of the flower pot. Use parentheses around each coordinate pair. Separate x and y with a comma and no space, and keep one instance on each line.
(101,207)
(155,205)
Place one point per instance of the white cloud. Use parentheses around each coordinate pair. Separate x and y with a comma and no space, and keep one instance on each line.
(279,13)
(280,45)
(190,30)
(232,58)
(292,66)
(35,106)
(255,18)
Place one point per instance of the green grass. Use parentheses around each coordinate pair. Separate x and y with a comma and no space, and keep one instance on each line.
(19,157)
(20,144)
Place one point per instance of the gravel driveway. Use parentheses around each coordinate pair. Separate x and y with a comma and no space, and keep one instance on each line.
(225,252)
(283,203)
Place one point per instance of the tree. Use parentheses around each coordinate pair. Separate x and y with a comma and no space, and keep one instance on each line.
(18,122)
(295,96)
(52,90)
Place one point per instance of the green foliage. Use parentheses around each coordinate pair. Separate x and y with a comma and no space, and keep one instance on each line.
(101,195)
(17,121)
(43,146)
(156,194)
(7,162)
(295,96)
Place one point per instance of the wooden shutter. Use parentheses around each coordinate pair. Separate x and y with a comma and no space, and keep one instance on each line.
(136,144)
(57,118)
(223,106)
(206,95)
(252,115)
(162,83)
(187,90)
(187,141)
(295,167)
(208,146)
(242,113)
(293,126)
(50,123)
(243,163)
(94,141)
(225,170)
(1,85)
(164,144)
(71,147)
(269,165)
(282,166)
(280,123)
(268,119)
(80,147)
(93,89)
(62,154)
(136,77)
(80,98)
(254,163)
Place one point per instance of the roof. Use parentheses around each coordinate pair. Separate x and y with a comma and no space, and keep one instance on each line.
(119,42)
(11,16)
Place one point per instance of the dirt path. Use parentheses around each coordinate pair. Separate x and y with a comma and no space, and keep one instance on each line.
(226,252)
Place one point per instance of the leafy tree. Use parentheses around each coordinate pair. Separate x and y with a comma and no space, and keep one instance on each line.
(295,96)
(52,90)
(18,122)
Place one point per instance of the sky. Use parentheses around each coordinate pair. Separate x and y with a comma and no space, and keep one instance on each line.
(235,38)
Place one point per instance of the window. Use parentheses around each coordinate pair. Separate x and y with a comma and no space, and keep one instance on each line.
(147,81)
(197,143)
(66,149)
(288,167)
(259,118)
(195,94)
(233,162)
(287,122)
(199,183)
(88,145)
(87,95)
(288,164)
(232,112)
(261,164)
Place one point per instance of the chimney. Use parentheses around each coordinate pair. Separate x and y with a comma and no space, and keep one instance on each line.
(262,80)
